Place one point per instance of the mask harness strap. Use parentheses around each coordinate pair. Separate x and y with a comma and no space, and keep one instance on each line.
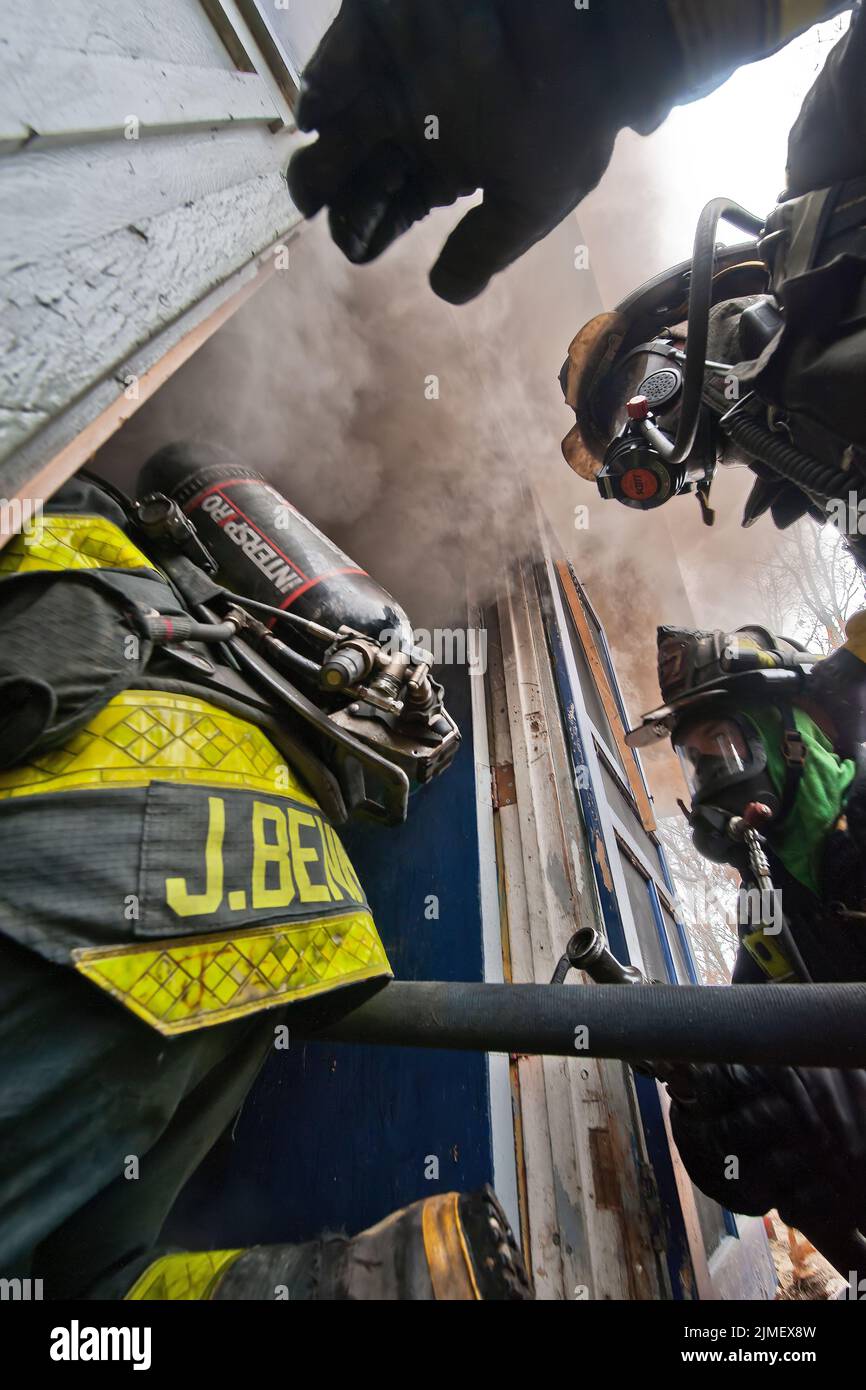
(794,755)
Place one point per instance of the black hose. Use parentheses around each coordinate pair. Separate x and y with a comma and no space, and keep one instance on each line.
(797,1025)
(292,663)
(169,632)
(819,481)
(700,303)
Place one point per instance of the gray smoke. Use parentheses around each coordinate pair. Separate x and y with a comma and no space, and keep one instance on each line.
(407,430)
(324,381)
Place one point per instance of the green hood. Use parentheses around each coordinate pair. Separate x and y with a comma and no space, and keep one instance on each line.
(820,795)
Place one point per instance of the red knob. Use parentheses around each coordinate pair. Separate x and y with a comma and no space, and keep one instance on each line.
(757,814)
(638,408)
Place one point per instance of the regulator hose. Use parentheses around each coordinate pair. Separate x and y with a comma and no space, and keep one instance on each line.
(820,481)
(775,1025)
(700,302)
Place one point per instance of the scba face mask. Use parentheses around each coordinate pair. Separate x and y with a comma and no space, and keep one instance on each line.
(725,767)
(723,760)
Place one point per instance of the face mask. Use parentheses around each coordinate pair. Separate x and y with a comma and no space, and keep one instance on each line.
(723,762)
(736,759)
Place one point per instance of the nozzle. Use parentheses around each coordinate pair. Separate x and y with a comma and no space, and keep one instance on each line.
(588,951)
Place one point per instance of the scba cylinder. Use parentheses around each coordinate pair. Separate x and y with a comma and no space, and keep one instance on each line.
(265,549)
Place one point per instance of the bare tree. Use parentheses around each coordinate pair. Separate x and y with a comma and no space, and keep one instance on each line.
(707,902)
(809,586)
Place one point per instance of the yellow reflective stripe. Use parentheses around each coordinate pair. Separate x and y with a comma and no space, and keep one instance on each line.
(71,542)
(143,736)
(769,955)
(855,630)
(448,1260)
(184,1276)
(179,985)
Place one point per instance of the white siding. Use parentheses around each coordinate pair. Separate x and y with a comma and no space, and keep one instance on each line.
(110,243)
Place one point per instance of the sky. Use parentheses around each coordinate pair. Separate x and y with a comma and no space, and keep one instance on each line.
(732,143)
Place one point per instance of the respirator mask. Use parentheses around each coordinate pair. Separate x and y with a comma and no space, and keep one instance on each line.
(645,395)
(724,765)
(647,428)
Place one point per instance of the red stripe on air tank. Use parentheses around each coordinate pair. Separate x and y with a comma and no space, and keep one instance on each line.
(215,487)
(309,583)
(218,488)
(329,574)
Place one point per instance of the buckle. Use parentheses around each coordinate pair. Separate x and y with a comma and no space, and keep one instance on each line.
(793,748)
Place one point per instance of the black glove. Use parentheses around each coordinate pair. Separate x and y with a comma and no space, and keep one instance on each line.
(529,98)
(793,1138)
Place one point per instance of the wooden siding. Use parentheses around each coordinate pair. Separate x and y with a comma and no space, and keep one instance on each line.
(585,1227)
(109,242)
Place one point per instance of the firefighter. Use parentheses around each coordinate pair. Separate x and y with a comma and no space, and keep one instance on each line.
(417,105)
(768,738)
(141,987)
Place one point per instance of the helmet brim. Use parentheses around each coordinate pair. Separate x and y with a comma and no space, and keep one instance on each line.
(745,687)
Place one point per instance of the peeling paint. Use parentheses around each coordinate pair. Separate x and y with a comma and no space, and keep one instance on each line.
(604,866)
(558,880)
(577,869)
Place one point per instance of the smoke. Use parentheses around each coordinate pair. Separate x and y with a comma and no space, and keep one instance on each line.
(410,431)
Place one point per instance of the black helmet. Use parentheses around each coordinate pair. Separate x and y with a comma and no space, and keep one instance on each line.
(710,680)
(701,672)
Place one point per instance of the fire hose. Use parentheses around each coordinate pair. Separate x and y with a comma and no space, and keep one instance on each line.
(794,1025)
(783,1025)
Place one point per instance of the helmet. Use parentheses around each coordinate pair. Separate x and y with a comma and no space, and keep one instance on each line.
(638,350)
(711,681)
(704,671)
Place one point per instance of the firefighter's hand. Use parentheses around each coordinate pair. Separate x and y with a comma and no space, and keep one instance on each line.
(787,1137)
(418,102)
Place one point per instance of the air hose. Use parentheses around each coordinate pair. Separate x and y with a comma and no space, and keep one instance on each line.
(819,481)
(776,1025)
(700,303)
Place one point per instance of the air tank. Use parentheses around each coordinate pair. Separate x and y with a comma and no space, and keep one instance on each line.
(264,548)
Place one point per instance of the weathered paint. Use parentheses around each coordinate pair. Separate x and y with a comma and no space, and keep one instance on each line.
(118,215)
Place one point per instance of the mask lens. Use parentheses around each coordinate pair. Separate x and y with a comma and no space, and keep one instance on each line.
(712,754)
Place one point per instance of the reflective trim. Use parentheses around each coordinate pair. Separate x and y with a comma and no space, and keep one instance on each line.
(855,631)
(185,1276)
(448,1260)
(73,542)
(768,954)
(142,736)
(178,986)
